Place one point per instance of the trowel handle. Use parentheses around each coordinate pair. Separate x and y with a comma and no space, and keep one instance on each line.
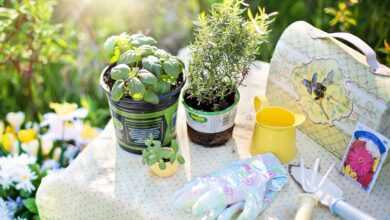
(347,211)
(308,202)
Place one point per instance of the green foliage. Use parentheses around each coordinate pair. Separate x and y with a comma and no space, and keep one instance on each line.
(141,68)
(372,20)
(33,52)
(155,153)
(225,45)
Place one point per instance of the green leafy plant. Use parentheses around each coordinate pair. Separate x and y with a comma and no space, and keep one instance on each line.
(140,70)
(226,43)
(156,154)
(34,54)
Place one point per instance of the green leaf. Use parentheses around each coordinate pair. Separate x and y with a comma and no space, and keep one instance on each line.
(136,89)
(147,77)
(129,57)
(162,54)
(120,72)
(175,145)
(180,159)
(118,90)
(151,97)
(30,205)
(146,50)
(172,67)
(152,64)
(162,87)
(123,42)
(140,39)
(162,165)
(109,47)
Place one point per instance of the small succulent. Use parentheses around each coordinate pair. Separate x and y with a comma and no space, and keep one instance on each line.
(141,70)
(155,153)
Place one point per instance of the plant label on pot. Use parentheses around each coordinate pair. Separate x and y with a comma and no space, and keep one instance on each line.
(211,122)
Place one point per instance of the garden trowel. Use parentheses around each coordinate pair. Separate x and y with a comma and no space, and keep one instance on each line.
(318,188)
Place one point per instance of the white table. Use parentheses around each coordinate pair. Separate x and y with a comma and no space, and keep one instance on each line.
(105,182)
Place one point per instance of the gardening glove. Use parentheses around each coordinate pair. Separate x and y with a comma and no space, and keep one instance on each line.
(246,186)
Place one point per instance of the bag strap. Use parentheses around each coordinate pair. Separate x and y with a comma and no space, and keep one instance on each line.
(374,66)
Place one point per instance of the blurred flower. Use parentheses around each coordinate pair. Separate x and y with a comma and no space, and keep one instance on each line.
(71,152)
(61,124)
(15,171)
(5,213)
(46,146)
(359,158)
(31,147)
(50,165)
(1,128)
(68,111)
(88,133)
(57,154)
(27,135)
(8,141)
(15,119)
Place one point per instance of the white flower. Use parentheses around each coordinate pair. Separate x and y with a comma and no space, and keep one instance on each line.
(46,145)
(50,165)
(15,119)
(5,213)
(57,154)
(71,152)
(15,171)
(31,147)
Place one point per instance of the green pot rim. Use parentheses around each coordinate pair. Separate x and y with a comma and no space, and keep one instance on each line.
(200,112)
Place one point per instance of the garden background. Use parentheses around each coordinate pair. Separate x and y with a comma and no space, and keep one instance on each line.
(50,50)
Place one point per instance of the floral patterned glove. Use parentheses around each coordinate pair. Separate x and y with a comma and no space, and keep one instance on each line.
(246,185)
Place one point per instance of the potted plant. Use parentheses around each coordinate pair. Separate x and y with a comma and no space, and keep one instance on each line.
(225,45)
(163,161)
(142,84)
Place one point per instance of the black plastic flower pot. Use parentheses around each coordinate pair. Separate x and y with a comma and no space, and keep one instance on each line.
(211,129)
(136,121)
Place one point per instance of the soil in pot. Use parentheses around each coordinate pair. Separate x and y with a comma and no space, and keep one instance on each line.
(208,139)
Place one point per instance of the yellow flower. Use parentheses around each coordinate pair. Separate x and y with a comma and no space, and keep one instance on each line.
(10,130)
(376,162)
(88,132)
(348,171)
(64,108)
(8,140)
(27,135)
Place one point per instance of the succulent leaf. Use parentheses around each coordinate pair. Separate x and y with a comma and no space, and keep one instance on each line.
(120,72)
(118,90)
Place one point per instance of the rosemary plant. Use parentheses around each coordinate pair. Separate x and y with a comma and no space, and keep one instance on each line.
(226,43)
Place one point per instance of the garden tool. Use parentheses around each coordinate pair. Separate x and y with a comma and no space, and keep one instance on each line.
(319,188)
(243,188)
(275,130)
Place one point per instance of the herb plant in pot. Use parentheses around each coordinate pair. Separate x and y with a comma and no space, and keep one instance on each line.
(226,43)
(163,161)
(142,84)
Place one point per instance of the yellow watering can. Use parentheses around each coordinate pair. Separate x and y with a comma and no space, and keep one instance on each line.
(275,130)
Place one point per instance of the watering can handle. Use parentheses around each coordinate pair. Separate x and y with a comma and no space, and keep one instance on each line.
(259,102)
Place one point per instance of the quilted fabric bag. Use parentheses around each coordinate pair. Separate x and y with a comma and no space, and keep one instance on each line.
(333,78)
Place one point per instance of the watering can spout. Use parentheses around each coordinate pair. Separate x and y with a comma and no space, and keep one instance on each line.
(299,119)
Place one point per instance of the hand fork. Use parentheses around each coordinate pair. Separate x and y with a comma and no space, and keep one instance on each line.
(310,185)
